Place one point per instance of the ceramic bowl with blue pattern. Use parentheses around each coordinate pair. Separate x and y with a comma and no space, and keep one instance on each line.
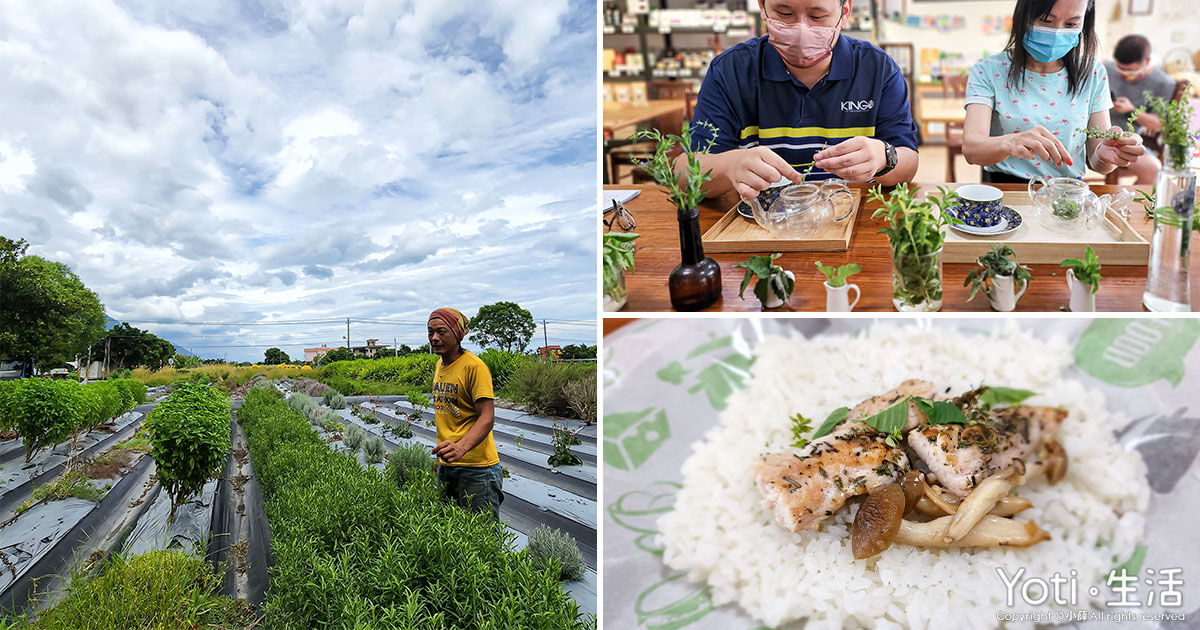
(979,205)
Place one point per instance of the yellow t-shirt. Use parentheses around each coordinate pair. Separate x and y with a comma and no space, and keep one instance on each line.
(456,387)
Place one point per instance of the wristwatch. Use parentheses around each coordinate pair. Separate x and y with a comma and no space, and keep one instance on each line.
(890,152)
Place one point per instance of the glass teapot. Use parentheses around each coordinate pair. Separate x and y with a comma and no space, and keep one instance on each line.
(1068,204)
(800,210)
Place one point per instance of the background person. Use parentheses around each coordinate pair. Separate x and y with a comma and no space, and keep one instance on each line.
(777,100)
(1026,105)
(1130,76)
(464,411)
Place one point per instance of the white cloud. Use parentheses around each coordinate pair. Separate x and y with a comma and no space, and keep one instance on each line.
(242,159)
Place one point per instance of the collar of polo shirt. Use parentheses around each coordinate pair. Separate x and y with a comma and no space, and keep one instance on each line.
(840,67)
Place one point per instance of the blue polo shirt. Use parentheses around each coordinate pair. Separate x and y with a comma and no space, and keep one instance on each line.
(752,99)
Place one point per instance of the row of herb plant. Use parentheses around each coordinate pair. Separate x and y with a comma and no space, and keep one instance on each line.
(46,412)
(189,432)
(354,550)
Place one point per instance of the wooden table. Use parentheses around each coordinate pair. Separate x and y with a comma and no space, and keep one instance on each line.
(657,254)
(940,110)
(618,115)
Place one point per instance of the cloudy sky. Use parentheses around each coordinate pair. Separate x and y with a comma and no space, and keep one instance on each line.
(248,161)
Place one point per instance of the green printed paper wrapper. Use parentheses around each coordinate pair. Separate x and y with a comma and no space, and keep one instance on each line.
(667,380)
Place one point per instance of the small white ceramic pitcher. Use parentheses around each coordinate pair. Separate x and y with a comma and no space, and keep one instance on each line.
(1002,296)
(837,299)
(773,300)
(1082,298)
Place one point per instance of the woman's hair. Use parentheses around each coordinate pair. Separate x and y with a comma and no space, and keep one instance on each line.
(1078,62)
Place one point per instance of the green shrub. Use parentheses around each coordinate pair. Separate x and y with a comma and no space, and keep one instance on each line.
(549,547)
(346,552)
(563,440)
(301,403)
(7,389)
(354,437)
(406,461)
(310,387)
(160,589)
(45,412)
(581,397)
(363,376)
(374,450)
(190,434)
(135,390)
(334,399)
(403,429)
(539,384)
(503,364)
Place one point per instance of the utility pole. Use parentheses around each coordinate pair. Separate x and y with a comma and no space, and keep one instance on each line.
(546,338)
(107,344)
(348,337)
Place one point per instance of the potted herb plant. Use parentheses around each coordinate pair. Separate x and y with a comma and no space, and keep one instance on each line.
(1174,208)
(695,283)
(998,275)
(774,285)
(837,292)
(618,257)
(916,233)
(1083,279)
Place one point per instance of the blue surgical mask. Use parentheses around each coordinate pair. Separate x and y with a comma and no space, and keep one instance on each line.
(1047,44)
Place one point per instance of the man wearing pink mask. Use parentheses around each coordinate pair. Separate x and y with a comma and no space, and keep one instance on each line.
(803,96)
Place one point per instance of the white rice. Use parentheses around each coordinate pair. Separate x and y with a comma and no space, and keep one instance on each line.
(720,533)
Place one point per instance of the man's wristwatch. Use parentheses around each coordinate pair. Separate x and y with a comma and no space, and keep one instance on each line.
(889,152)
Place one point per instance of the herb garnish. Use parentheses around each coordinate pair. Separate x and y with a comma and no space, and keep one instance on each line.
(940,411)
(832,421)
(800,426)
(1003,396)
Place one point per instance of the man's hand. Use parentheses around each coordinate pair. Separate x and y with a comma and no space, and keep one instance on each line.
(1120,151)
(1150,123)
(755,169)
(1123,105)
(449,451)
(1038,143)
(855,160)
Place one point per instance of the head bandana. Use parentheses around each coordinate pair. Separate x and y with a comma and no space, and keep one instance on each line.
(454,319)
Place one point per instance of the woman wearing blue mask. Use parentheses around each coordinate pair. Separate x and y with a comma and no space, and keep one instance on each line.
(1027,106)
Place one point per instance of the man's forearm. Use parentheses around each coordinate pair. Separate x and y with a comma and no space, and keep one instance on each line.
(479,430)
(720,182)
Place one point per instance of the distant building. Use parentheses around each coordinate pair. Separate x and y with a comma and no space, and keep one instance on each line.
(550,352)
(312,354)
(368,351)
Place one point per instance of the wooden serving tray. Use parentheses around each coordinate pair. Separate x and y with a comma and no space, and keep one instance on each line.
(734,233)
(1114,241)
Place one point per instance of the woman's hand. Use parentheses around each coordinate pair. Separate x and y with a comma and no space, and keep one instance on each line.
(1038,143)
(1120,151)
(753,170)
(855,160)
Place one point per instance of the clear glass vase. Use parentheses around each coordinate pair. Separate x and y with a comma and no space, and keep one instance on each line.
(1174,201)
(616,296)
(917,282)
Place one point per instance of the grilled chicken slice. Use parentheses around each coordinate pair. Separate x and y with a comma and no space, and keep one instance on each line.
(804,486)
(911,387)
(960,456)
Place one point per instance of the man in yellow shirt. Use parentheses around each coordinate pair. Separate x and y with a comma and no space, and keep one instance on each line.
(464,411)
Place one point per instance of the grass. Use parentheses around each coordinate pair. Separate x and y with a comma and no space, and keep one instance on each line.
(160,589)
(224,374)
(72,484)
(110,462)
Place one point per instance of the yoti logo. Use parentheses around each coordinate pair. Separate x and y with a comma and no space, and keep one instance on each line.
(858,106)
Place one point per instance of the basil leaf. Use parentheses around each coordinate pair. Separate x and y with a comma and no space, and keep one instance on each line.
(800,426)
(1003,396)
(940,411)
(832,421)
(891,419)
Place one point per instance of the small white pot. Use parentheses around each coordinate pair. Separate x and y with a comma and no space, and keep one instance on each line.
(773,300)
(1002,296)
(837,299)
(1082,298)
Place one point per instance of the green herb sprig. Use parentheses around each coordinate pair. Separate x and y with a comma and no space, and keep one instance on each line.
(770,278)
(662,168)
(1096,132)
(1176,120)
(998,261)
(1087,270)
(837,275)
(618,256)
(915,232)
(835,418)
(800,426)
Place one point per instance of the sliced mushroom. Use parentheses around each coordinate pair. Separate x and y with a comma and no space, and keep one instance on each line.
(877,521)
(1056,462)
(934,495)
(913,485)
(1008,506)
(978,504)
(990,531)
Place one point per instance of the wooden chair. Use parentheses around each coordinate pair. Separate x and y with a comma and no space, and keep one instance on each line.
(621,154)
(904,55)
(956,86)
(1153,143)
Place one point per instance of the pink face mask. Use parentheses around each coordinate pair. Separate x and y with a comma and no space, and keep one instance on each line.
(799,44)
